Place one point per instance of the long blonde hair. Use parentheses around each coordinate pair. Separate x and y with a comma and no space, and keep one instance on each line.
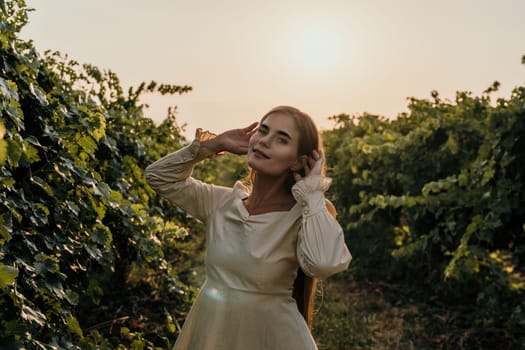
(304,287)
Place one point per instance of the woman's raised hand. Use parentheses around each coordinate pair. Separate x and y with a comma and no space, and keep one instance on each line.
(236,140)
(313,165)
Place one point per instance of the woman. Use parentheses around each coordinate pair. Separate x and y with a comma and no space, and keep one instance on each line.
(259,240)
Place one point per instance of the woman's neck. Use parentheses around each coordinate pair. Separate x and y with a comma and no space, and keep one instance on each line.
(269,194)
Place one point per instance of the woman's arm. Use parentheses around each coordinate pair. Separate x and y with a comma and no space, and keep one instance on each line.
(171,178)
(321,247)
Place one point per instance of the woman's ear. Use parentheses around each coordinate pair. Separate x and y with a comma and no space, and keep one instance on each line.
(299,163)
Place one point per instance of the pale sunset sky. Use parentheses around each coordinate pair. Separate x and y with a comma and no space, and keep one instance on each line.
(243,57)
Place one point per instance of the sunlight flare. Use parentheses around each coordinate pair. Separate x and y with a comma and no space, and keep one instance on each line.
(317,48)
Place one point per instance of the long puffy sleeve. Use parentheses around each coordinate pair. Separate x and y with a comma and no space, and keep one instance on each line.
(171,178)
(321,248)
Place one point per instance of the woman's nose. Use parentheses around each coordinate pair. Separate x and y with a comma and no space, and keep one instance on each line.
(265,140)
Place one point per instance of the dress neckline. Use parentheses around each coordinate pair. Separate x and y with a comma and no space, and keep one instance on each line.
(268,212)
(242,192)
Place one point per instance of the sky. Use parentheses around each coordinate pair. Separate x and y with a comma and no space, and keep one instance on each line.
(325,57)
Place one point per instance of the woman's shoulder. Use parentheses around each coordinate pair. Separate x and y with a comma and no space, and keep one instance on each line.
(240,190)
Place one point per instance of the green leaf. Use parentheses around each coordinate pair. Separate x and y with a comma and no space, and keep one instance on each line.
(100,131)
(72,207)
(14,152)
(473,226)
(452,144)
(7,183)
(32,315)
(4,88)
(46,264)
(43,185)
(30,153)
(3,151)
(33,140)
(72,297)
(101,234)
(100,208)
(74,326)
(8,90)
(463,179)
(8,275)
(94,251)
(115,199)
(40,214)
(94,291)
(88,144)
(462,249)
(410,202)
(15,113)
(172,328)
(488,174)
(38,94)
(6,227)
(102,189)
(54,286)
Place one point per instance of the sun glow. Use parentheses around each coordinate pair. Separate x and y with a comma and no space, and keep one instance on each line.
(317,49)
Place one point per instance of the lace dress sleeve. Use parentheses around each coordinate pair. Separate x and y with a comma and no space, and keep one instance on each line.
(321,248)
(171,178)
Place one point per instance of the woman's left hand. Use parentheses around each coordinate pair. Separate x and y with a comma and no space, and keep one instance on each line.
(313,165)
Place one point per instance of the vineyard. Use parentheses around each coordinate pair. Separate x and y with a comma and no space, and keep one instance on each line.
(432,204)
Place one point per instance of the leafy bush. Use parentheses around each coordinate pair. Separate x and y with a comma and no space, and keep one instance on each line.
(436,197)
(77,221)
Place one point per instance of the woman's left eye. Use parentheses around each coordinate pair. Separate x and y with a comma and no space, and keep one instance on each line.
(283,140)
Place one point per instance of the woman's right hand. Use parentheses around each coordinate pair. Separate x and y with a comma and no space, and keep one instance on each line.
(233,141)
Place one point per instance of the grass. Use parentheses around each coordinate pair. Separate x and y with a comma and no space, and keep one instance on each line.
(355,316)
(360,315)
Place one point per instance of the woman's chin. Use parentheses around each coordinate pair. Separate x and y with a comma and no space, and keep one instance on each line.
(254,162)
(254,166)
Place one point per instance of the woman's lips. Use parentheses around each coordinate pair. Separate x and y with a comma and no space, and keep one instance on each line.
(260,154)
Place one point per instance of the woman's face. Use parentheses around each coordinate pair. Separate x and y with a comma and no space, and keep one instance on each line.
(273,148)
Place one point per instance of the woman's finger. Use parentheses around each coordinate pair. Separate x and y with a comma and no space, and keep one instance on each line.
(251,127)
(321,155)
(311,162)
(315,162)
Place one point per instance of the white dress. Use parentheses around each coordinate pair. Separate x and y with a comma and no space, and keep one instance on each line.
(251,260)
